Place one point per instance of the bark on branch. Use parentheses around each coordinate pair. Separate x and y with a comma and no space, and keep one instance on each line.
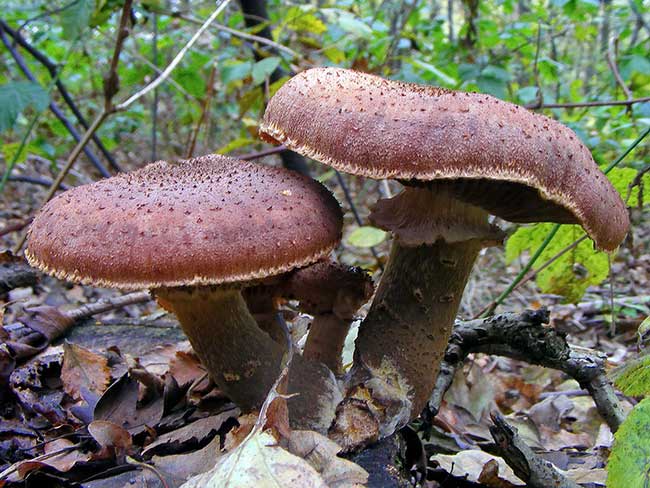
(528,466)
(524,337)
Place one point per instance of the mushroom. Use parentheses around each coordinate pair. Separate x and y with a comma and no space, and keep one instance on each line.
(329,291)
(461,157)
(197,232)
(332,293)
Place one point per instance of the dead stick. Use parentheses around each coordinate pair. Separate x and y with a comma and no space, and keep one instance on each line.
(528,466)
(524,337)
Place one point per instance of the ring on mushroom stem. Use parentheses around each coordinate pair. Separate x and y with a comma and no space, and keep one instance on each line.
(462,156)
(197,232)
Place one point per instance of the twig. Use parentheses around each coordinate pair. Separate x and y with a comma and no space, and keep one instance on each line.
(107,304)
(204,111)
(611,61)
(64,171)
(11,163)
(34,180)
(52,69)
(355,213)
(539,95)
(154,104)
(53,105)
(532,274)
(16,274)
(520,276)
(177,59)
(111,85)
(528,466)
(237,33)
(598,103)
(261,154)
(523,337)
(256,17)
(16,226)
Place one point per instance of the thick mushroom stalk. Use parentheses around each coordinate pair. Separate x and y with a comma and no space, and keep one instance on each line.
(239,357)
(402,340)
(243,360)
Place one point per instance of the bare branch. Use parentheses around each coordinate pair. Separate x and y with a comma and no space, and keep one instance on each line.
(177,59)
(523,337)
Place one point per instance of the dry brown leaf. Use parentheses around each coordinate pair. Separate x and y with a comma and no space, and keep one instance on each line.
(186,368)
(83,370)
(181,467)
(237,435)
(111,437)
(60,454)
(190,435)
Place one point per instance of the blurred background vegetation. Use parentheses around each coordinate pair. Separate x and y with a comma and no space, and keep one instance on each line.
(566,58)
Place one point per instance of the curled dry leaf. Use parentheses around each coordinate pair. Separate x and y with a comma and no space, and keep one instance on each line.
(190,436)
(181,467)
(113,439)
(83,370)
(186,368)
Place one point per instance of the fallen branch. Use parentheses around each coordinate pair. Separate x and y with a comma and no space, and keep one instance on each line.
(14,274)
(42,325)
(524,337)
(528,466)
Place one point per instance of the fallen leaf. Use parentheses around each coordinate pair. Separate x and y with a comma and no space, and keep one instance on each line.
(321,453)
(60,454)
(186,368)
(258,462)
(112,438)
(237,435)
(470,464)
(182,467)
(191,435)
(83,369)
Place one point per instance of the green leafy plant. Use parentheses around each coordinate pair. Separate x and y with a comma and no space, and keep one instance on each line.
(15,97)
(574,271)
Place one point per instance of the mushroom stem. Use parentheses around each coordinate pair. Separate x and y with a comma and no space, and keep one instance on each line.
(244,361)
(403,338)
(240,358)
(326,339)
(402,341)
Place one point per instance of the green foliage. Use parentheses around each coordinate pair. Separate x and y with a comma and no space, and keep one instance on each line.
(581,267)
(366,236)
(76,17)
(571,274)
(633,377)
(16,97)
(262,69)
(629,462)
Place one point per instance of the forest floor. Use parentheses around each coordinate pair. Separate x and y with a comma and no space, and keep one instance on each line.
(133,363)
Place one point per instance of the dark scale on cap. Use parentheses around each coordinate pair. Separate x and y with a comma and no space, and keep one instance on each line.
(207,220)
(369,126)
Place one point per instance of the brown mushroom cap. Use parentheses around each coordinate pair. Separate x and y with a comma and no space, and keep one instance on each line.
(208,220)
(518,165)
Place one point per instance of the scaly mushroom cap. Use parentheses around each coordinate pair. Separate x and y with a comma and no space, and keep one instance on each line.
(208,220)
(520,166)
